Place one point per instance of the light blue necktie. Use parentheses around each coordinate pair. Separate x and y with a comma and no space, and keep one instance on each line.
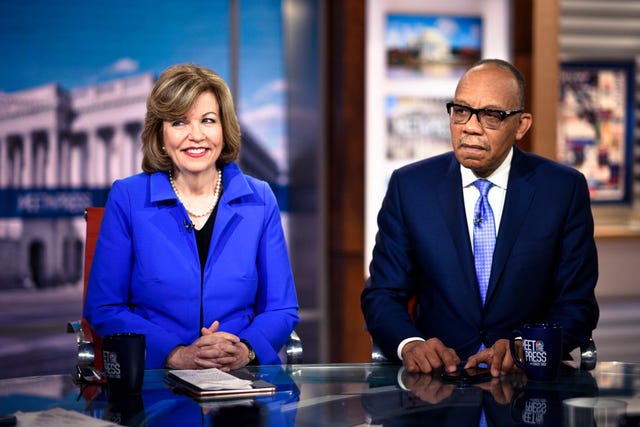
(484,236)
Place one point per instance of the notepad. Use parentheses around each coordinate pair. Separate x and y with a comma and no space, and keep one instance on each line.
(216,384)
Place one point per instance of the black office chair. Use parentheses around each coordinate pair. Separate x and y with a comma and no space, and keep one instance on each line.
(89,343)
(588,355)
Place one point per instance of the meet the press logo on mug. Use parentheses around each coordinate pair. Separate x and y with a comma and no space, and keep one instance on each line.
(534,352)
(111,364)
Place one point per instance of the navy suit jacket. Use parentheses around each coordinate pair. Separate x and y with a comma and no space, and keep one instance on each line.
(545,265)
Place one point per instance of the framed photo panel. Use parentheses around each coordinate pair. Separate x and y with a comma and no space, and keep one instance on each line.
(417,127)
(422,45)
(595,126)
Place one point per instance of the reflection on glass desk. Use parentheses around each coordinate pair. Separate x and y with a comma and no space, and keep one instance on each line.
(342,395)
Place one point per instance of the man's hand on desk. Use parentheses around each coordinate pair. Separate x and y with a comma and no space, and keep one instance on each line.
(498,357)
(426,356)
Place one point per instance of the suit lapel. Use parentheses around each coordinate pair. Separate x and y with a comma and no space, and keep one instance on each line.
(451,203)
(229,215)
(516,206)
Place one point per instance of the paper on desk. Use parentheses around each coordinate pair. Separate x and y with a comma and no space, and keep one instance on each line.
(211,379)
(58,417)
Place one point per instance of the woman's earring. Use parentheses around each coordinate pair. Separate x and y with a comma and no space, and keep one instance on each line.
(164,148)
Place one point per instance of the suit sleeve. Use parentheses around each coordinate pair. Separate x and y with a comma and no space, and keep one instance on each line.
(574,305)
(391,283)
(276,304)
(107,304)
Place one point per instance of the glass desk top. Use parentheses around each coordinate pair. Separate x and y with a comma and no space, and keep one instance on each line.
(340,395)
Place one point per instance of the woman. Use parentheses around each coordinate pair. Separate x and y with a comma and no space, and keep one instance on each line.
(191,252)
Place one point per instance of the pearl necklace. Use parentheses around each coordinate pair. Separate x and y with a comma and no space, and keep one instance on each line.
(216,195)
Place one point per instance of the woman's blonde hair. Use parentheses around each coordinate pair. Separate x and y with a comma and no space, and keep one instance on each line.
(171,98)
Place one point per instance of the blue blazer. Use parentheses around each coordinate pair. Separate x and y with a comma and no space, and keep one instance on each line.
(545,264)
(145,276)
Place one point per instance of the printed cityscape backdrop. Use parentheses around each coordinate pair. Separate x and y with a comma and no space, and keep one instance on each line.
(72,105)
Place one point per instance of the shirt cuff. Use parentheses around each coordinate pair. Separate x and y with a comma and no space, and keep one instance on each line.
(405,342)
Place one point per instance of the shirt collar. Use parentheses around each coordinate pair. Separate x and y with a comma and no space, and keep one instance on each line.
(499,177)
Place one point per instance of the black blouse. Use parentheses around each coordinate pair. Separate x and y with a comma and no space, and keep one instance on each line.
(203,239)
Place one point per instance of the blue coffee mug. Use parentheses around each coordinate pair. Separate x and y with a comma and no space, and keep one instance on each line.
(541,350)
(124,357)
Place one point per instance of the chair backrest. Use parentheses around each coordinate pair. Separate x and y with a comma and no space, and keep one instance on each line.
(93,217)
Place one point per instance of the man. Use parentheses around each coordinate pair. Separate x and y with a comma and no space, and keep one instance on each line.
(535,257)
